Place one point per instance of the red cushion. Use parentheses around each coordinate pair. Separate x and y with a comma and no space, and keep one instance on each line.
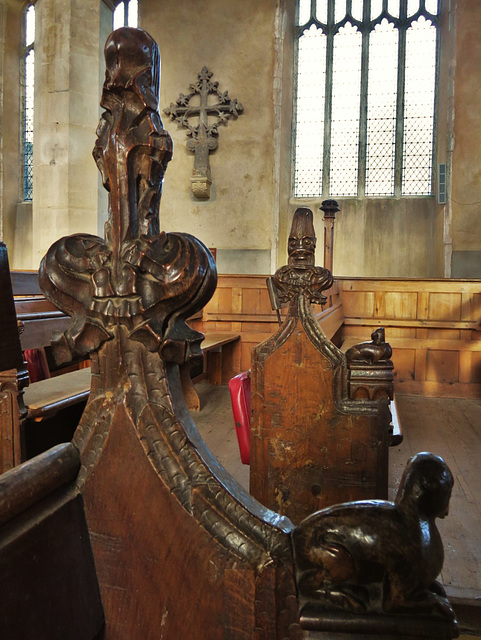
(240,395)
(36,365)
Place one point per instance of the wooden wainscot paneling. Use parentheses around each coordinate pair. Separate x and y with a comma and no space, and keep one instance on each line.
(241,304)
(433,327)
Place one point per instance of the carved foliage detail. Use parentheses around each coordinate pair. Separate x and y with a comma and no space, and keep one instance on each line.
(148,281)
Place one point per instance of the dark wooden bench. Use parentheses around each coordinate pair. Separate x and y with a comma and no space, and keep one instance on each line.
(25,311)
(50,587)
(39,319)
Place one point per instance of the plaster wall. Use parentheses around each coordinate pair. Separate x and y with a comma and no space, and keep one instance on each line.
(379,237)
(235,40)
(65,194)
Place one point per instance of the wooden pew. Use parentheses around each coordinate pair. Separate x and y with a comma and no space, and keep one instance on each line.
(39,320)
(320,418)
(50,589)
(11,362)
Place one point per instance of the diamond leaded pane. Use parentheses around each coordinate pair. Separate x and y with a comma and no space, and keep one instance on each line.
(419,108)
(311,83)
(346,96)
(28,127)
(381,110)
(361,128)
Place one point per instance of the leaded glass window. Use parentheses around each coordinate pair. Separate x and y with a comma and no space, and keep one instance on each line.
(28,61)
(125,14)
(365,98)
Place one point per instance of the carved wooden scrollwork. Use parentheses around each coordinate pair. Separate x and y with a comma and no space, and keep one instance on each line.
(129,296)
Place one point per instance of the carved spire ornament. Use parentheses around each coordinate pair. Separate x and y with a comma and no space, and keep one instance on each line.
(203,136)
(300,277)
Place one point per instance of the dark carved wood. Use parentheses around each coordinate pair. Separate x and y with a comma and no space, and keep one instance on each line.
(329,208)
(370,368)
(180,549)
(12,370)
(312,444)
(377,558)
(50,589)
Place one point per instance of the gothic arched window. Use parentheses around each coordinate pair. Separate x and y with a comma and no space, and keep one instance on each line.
(27,75)
(125,14)
(365,100)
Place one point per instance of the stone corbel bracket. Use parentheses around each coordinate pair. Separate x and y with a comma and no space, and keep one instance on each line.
(203,136)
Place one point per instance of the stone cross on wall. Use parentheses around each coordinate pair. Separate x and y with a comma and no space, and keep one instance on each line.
(203,136)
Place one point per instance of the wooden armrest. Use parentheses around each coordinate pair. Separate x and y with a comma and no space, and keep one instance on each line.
(46,397)
(30,482)
(331,319)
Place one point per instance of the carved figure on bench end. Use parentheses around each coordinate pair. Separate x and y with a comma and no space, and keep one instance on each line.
(147,281)
(379,557)
(300,276)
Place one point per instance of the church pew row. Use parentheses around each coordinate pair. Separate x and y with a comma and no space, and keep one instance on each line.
(432,325)
(46,562)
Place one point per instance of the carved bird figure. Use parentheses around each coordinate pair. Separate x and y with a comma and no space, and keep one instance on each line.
(379,556)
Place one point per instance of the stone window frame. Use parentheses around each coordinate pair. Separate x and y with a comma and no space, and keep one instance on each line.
(299,30)
(26,49)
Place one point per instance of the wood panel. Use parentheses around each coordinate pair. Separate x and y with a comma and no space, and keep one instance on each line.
(241,304)
(420,316)
(432,325)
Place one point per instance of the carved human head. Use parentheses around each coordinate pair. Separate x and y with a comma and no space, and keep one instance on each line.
(302,239)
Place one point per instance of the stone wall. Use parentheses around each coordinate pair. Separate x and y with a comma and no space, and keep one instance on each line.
(249,48)
(235,41)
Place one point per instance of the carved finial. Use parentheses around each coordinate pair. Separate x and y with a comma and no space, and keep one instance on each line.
(137,277)
(300,276)
(329,208)
(302,239)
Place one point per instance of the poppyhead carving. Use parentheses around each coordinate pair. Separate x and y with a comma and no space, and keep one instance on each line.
(146,281)
(300,276)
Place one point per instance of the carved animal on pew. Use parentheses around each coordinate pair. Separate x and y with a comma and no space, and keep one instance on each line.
(371,352)
(180,550)
(375,557)
(313,443)
(370,372)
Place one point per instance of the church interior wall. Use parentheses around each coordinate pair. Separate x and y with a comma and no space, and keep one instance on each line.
(466,178)
(235,41)
(10,40)
(249,49)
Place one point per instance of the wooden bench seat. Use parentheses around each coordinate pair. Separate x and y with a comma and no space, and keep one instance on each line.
(46,397)
(218,352)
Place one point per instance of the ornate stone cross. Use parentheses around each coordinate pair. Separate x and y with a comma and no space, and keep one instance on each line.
(203,137)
